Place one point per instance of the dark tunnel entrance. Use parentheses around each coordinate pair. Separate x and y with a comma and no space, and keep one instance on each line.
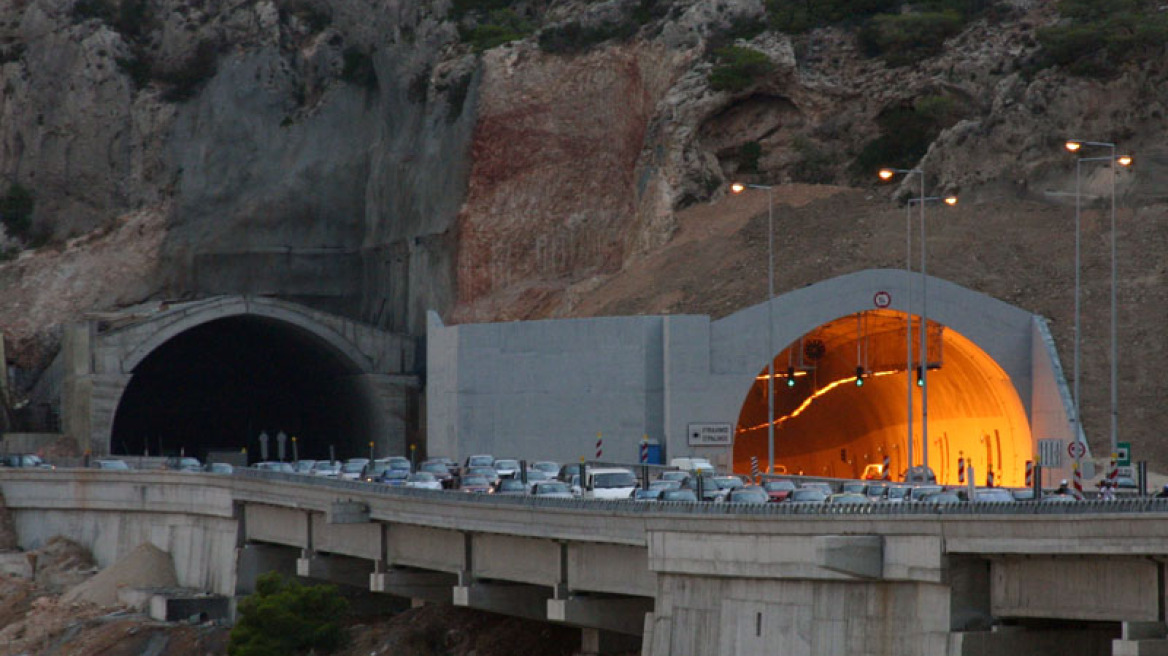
(218,386)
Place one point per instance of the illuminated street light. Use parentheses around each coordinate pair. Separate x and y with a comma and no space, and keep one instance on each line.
(888,174)
(737,188)
(1124,160)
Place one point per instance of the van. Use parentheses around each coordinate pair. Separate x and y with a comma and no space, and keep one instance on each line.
(694,465)
(609,483)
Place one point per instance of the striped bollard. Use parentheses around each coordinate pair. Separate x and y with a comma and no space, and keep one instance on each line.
(644,451)
(599,446)
(1029,473)
(886,470)
(1078,477)
(754,472)
(961,469)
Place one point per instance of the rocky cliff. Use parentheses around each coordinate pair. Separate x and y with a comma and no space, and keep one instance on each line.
(505,160)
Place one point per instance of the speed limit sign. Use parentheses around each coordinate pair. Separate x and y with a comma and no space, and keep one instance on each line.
(882,299)
(1076,449)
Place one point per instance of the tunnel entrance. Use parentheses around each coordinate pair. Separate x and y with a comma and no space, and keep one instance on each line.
(827,425)
(219,385)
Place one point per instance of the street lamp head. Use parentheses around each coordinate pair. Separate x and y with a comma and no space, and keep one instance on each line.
(1124,160)
(886,174)
(737,188)
(1074,146)
(950,200)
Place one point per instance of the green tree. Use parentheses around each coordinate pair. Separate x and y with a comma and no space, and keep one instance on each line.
(738,67)
(285,618)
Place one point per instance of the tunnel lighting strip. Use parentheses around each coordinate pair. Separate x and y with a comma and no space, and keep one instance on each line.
(818,393)
(798,374)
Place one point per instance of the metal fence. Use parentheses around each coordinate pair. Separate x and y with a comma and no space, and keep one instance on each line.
(1091,507)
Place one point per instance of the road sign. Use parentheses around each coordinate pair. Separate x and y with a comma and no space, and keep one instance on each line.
(1123,454)
(882,299)
(1076,449)
(710,434)
(1050,453)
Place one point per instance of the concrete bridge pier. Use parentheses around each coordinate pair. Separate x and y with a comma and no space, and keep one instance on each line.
(254,560)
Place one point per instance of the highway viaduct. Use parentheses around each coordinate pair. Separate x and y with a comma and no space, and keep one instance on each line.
(676,579)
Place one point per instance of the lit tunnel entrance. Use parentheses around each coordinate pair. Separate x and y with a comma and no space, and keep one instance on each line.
(826,425)
(219,385)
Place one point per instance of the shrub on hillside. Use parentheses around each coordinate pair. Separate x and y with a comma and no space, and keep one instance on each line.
(284,617)
(1100,35)
(737,68)
(502,26)
(905,134)
(903,39)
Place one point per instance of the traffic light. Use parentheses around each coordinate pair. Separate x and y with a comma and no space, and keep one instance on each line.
(790,376)
(920,378)
(859,376)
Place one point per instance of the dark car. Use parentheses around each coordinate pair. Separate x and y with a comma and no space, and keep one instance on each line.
(439,471)
(24,460)
(474,483)
(180,463)
(806,495)
(393,477)
(653,494)
(567,472)
(511,487)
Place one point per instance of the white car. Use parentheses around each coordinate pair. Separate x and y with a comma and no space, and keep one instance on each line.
(609,483)
(423,481)
(507,467)
(352,469)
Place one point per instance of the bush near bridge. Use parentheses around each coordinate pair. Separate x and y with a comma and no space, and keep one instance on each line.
(284,617)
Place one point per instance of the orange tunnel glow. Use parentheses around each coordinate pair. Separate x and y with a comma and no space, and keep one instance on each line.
(826,425)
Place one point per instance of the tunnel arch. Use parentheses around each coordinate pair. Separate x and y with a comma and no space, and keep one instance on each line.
(214,376)
(826,425)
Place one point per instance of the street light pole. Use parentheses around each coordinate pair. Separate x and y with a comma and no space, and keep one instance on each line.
(1113,160)
(738,188)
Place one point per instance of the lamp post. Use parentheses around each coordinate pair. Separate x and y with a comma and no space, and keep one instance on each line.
(888,174)
(1074,146)
(738,188)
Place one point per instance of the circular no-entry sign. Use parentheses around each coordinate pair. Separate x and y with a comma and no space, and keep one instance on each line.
(882,299)
(1076,449)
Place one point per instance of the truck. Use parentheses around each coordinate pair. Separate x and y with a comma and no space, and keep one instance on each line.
(609,483)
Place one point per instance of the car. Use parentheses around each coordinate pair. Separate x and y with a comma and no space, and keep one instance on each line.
(400,463)
(480,460)
(806,495)
(693,465)
(873,472)
(609,483)
(664,485)
(393,478)
(1024,494)
(181,463)
(352,469)
(304,466)
(848,498)
(449,463)
(825,488)
(475,484)
(920,474)
(507,467)
(511,487)
(275,466)
(533,476)
(552,469)
(854,486)
(679,495)
(875,491)
(220,468)
(938,497)
(567,472)
(896,493)
(552,489)
(778,490)
(423,481)
(111,464)
(919,492)
(24,460)
(993,495)
(704,487)
(675,475)
(1125,483)
(326,469)
(489,472)
(650,494)
(748,494)
(439,471)
(1059,498)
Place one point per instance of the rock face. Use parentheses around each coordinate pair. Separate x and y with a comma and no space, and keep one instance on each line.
(360,157)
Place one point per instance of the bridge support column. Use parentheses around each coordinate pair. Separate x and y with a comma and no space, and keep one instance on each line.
(1142,639)
(417,585)
(1033,641)
(335,569)
(624,615)
(253,560)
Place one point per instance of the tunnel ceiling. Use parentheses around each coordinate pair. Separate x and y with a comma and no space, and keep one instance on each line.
(219,385)
(826,425)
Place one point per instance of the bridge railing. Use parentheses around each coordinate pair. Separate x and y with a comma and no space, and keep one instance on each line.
(629,506)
